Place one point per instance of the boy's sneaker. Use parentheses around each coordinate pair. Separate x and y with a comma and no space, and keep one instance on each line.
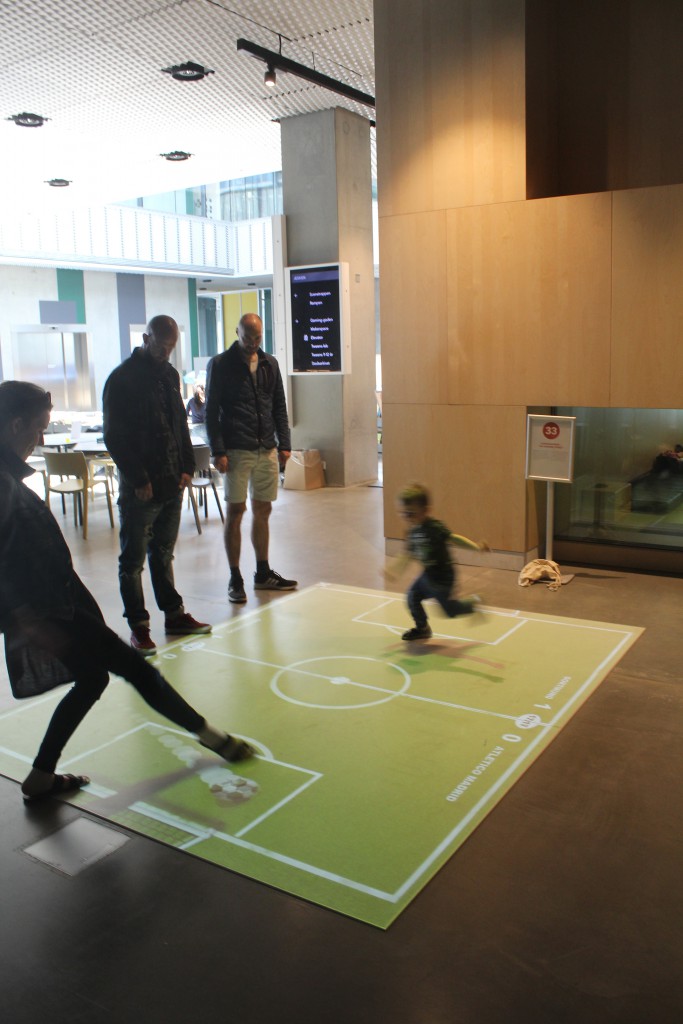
(183,625)
(273,581)
(418,633)
(236,592)
(141,641)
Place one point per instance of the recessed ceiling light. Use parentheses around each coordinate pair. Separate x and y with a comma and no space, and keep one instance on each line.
(176,155)
(188,72)
(27,120)
(58,182)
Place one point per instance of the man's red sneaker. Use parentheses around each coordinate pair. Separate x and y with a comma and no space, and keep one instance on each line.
(141,641)
(183,625)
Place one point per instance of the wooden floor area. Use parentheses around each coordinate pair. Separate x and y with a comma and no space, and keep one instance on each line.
(564,907)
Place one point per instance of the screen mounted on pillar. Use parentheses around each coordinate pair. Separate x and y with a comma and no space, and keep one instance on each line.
(318,319)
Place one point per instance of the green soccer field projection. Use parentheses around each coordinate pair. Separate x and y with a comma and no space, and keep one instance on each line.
(376,759)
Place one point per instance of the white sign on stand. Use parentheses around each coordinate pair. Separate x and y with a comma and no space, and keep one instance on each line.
(550,448)
(550,457)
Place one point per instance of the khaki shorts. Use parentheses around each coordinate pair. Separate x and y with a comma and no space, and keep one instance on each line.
(256,471)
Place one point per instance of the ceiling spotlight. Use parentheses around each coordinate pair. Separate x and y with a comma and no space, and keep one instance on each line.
(28,120)
(176,155)
(58,182)
(188,72)
(269,78)
(275,61)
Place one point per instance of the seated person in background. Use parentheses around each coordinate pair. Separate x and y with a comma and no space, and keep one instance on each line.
(669,461)
(196,407)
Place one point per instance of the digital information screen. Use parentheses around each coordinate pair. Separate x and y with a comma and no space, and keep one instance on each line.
(315,319)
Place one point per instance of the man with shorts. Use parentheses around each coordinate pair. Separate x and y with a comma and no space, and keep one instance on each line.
(248,430)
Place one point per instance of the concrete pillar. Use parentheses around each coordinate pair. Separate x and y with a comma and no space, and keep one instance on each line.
(327,197)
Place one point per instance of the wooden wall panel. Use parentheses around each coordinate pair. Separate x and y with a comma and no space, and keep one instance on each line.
(647,312)
(604,95)
(472,460)
(450,103)
(529,302)
(413,308)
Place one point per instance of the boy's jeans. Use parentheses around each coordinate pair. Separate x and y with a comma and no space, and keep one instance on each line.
(423,588)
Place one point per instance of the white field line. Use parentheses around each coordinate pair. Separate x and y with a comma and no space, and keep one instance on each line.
(502,779)
(103,746)
(368,686)
(201,834)
(17,757)
(278,806)
(459,707)
(27,705)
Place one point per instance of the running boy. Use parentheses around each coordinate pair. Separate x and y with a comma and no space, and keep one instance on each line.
(427,542)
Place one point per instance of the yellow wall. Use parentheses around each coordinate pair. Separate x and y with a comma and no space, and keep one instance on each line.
(492,303)
(235,305)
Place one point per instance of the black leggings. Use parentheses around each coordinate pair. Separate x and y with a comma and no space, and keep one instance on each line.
(91,650)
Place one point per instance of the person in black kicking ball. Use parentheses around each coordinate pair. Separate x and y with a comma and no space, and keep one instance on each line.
(54,630)
(428,541)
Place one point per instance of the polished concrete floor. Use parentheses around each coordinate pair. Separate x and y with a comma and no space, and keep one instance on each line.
(565,906)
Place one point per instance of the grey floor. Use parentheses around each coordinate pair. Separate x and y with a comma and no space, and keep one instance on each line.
(566,904)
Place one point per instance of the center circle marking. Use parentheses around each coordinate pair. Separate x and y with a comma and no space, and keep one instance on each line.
(333,678)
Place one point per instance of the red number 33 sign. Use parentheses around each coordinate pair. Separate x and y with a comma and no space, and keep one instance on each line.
(551,430)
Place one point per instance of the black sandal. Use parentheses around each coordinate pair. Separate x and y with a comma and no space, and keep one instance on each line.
(61,784)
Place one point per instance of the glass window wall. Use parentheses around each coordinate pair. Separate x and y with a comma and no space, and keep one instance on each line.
(628,479)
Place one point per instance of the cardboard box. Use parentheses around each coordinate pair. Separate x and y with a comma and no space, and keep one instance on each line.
(304,470)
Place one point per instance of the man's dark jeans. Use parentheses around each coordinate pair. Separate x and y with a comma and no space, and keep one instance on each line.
(423,588)
(148,529)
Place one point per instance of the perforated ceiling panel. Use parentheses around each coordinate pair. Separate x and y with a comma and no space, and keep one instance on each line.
(94,68)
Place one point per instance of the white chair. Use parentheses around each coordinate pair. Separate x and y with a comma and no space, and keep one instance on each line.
(37,463)
(201,482)
(75,478)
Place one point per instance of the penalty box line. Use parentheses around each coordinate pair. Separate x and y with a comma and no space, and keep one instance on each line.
(363,621)
(267,756)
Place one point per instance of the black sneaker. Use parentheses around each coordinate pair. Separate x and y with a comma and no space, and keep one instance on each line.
(273,581)
(236,592)
(418,633)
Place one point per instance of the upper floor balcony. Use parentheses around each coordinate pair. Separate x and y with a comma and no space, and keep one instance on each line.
(133,239)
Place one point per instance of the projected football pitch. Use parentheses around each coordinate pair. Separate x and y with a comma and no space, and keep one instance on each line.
(376,758)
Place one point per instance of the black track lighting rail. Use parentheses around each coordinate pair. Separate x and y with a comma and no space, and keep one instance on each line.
(280,63)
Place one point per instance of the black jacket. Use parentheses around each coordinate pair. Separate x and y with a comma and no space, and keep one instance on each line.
(36,576)
(241,413)
(145,425)
(35,563)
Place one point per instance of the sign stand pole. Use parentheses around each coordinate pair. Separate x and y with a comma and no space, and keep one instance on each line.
(549,520)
